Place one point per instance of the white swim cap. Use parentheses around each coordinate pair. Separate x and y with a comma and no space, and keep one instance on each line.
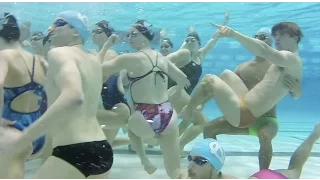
(78,21)
(266,31)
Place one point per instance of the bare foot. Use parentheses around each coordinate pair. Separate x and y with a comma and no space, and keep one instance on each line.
(149,168)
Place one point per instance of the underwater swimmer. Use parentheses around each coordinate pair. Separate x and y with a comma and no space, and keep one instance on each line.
(114,111)
(153,115)
(207,157)
(80,148)
(266,128)
(242,107)
(22,100)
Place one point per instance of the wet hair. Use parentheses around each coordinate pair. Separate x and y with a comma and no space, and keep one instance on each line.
(195,35)
(145,29)
(168,41)
(10,29)
(106,27)
(288,27)
(38,33)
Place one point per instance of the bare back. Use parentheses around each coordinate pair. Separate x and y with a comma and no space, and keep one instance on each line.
(19,68)
(84,127)
(151,89)
(251,73)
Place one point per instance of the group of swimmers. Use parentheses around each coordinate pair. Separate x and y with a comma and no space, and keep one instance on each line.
(65,105)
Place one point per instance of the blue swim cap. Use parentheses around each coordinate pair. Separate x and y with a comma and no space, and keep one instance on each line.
(78,21)
(266,31)
(211,150)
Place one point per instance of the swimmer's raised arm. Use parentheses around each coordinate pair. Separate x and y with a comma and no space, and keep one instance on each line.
(179,56)
(3,73)
(112,40)
(68,80)
(163,35)
(212,42)
(184,44)
(123,61)
(261,49)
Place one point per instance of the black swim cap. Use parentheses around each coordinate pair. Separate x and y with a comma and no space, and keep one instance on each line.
(169,41)
(38,33)
(145,29)
(9,29)
(195,35)
(107,28)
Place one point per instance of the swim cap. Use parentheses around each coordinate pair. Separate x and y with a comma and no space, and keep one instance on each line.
(38,34)
(195,35)
(211,150)
(78,21)
(145,29)
(266,31)
(168,41)
(9,28)
(107,28)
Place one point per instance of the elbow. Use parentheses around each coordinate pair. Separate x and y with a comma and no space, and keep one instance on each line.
(76,98)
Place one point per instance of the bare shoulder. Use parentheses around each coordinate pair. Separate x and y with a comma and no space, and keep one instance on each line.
(8,54)
(132,58)
(295,59)
(296,63)
(110,54)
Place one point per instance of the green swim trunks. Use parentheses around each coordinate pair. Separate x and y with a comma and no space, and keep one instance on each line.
(262,121)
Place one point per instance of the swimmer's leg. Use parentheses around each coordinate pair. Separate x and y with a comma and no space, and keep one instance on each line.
(222,126)
(183,126)
(13,167)
(226,98)
(56,168)
(265,135)
(199,121)
(169,145)
(47,151)
(301,155)
(137,145)
(178,104)
(115,118)
(113,140)
(139,128)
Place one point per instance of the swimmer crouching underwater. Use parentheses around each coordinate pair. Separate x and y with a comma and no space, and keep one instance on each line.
(207,157)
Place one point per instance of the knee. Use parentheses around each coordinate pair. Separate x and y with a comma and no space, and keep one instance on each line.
(122,110)
(226,74)
(207,82)
(207,78)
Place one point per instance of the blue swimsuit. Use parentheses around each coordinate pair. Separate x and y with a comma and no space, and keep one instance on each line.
(20,120)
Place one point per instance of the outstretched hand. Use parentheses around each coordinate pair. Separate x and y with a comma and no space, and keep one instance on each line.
(226,17)
(223,31)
